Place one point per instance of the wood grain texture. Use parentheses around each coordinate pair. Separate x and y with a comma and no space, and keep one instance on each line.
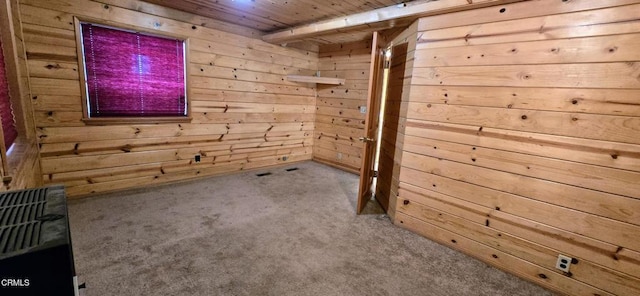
(578,176)
(245,114)
(386,17)
(268,16)
(471,223)
(402,47)
(607,21)
(497,258)
(510,220)
(181,15)
(574,100)
(21,165)
(339,122)
(521,140)
(609,128)
(595,75)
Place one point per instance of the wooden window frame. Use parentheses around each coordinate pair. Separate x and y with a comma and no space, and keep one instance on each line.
(25,127)
(128,120)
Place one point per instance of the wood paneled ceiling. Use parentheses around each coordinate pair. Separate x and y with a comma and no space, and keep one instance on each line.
(312,22)
(273,15)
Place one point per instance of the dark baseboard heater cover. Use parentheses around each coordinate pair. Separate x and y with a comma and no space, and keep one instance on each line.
(35,243)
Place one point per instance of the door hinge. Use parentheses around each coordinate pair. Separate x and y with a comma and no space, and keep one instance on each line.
(375,174)
(366,139)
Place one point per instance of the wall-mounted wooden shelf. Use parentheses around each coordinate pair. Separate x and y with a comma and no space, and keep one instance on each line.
(316,79)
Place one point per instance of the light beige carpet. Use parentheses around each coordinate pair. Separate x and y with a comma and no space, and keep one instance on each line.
(288,233)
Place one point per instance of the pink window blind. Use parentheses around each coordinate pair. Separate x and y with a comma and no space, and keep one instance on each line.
(129,74)
(6,111)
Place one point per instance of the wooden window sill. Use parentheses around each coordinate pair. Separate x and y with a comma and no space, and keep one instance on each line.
(135,120)
(17,153)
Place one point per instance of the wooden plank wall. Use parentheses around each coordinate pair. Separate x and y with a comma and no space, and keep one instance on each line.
(339,122)
(522,141)
(23,161)
(25,167)
(245,113)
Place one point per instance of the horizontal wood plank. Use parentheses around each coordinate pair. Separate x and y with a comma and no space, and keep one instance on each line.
(588,225)
(428,208)
(610,128)
(521,138)
(495,257)
(601,75)
(583,176)
(601,22)
(617,48)
(578,100)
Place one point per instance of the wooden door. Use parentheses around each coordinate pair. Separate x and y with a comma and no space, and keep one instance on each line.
(374,95)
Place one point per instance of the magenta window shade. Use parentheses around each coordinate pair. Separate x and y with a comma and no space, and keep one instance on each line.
(6,111)
(130,74)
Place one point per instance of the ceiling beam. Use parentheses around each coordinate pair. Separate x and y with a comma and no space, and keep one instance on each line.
(379,18)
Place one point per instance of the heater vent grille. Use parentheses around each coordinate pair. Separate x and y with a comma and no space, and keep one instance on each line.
(18,237)
(21,213)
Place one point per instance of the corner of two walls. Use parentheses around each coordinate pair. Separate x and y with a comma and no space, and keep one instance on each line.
(521,141)
(23,160)
(245,113)
(339,120)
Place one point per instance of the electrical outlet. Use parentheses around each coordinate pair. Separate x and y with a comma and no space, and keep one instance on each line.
(197,158)
(563,263)
(339,156)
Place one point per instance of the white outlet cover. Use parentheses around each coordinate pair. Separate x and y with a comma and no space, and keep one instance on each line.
(563,263)
(363,109)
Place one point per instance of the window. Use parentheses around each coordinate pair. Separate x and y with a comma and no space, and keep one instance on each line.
(132,75)
(6,110)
